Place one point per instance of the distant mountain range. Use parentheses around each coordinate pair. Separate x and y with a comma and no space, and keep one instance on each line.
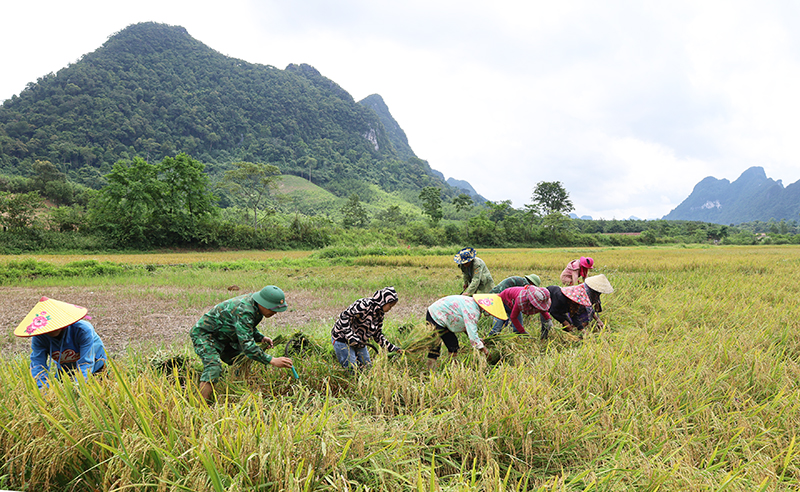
(153,91)
(753,196)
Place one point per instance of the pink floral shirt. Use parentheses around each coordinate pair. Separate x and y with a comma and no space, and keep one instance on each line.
(458,314)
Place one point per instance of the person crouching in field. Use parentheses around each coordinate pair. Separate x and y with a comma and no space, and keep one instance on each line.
(58,331)
(575,306)
(507,283)
(229,331)
(456,314)
(576,270)
(528,300)
(359,323)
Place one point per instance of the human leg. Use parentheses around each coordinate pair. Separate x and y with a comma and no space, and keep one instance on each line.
(344,354)
(499,324)
(212,364)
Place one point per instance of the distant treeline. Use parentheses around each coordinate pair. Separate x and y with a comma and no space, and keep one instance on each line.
(171,205)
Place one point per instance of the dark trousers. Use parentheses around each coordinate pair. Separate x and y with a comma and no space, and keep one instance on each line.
(448,337)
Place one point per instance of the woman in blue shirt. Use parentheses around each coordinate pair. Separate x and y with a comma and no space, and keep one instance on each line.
(59,332)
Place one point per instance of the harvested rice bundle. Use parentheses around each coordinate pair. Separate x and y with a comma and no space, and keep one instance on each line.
(420,338)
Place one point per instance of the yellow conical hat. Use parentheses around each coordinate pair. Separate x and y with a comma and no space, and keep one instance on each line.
(492,304)
(49,315)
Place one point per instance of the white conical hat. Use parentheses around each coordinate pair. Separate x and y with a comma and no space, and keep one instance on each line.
(49,315)
(599,283)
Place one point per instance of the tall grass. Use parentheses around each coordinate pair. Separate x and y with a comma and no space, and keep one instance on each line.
(693,385)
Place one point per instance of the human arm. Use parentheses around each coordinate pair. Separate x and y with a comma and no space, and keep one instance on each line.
(479,273)
(345,327)
(40,350)
(515,312)
(87,347)
(383,342)
(471,327)
(244,327)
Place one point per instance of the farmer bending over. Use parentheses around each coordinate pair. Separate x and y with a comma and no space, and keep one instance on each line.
(475,273)
(528,300)
(456,314)
(575,306)
(360,322)
(58,331)
(229,331)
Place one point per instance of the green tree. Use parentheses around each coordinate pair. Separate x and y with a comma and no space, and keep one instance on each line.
(18,210)
(499,210)
(462,202)
(254,183)
(392,217)
(551,200)
(432,204)
(550,197)
(187,199)
(353,213)
(153,204)
(127,208)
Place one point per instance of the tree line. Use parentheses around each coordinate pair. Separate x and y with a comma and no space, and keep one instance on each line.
(174,203)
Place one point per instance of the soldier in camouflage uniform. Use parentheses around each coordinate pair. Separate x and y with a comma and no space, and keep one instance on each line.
(230,331)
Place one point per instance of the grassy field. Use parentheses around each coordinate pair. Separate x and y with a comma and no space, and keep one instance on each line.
(694,384)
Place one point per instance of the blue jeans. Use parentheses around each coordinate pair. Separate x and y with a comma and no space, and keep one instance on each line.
(347,355)
(499,324)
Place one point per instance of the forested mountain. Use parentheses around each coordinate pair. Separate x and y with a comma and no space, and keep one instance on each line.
(153,91)
(395,134)
(752,197)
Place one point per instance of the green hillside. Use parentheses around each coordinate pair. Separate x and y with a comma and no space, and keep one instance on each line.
(297,194)
(153,91)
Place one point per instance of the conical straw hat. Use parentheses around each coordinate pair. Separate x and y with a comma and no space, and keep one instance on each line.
(492,304)
(599,283)
(49,315)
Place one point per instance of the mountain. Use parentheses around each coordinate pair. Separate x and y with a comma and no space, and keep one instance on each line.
(466,187)
(151,90)
(753,196)
(396,134)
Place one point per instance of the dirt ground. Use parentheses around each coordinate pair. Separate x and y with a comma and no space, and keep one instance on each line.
(127,322)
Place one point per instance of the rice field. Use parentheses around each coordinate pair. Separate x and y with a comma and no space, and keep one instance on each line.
(694,384)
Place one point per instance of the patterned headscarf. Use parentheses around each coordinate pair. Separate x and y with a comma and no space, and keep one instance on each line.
(387,295)
(533,300)
(465,256)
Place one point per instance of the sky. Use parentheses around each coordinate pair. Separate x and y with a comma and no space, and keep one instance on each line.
(628,104)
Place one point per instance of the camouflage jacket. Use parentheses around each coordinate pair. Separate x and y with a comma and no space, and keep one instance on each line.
(234,323)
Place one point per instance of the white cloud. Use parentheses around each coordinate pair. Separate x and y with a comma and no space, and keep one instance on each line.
(629,104)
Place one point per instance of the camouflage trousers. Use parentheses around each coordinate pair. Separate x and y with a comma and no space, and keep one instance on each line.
(212,353)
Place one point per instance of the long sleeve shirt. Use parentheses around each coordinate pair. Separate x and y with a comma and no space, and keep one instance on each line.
(233,323)
(78,347)
(510,299)
(364,320)
(458,314)
(477,278)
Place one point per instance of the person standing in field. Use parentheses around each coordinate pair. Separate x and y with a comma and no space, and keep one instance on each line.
(359,323)
(575,306)
(229,331)
(506,283)
(60,331)
(476,276)
(576,270)
(528,300)
(458,314)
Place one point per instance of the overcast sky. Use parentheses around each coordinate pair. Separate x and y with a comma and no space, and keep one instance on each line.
(628,103)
